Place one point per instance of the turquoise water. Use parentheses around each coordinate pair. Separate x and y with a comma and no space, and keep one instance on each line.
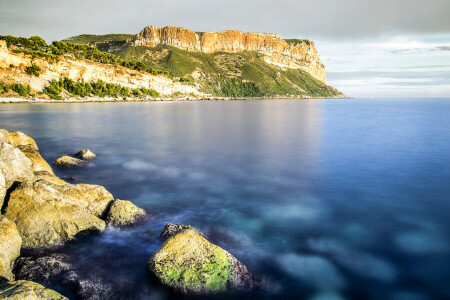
(325,199)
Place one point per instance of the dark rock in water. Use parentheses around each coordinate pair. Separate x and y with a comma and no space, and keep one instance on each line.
(89,287)
(172,229)
(124,213)
(22,289)
(69,162)
(42,269)
(191,265)
(85,154)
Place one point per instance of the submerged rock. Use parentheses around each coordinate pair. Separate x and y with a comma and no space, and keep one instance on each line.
(42,269)
(69,162)
(90,287)
(85,154)
(10,243)
(190,264)
(172,229)
(48,214)
(124,213)
(22,289)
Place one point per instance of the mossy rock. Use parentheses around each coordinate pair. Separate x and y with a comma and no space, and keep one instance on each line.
(191,265)
(22,289)
(124,213)
(66,161)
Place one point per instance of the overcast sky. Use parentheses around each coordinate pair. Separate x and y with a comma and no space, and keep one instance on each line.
(383,48)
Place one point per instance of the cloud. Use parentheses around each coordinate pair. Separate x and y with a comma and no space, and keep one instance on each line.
(290,18)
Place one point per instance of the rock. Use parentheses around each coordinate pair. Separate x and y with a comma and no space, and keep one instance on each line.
(85,154)
(172,229)
(10,243)
(14,165)
(42,269)
(38,163)
(69,162)
(2,188)
(44,175)
(94,198)
(124,213)
(17,138)
(46,216)
(22,289)
(190,264)
(3,136)
(89,287)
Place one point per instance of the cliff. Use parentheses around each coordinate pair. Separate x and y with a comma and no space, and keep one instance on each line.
(14,66)
(277,51)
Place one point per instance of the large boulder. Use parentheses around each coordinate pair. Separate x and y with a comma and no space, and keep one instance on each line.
(10,243)
(190,264)
(14,165)
(124,213)
(38,162)
(17,138)
(66,161)
(22,289)
(46,216)
(85,154)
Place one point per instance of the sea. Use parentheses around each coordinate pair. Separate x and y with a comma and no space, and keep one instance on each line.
(327,199)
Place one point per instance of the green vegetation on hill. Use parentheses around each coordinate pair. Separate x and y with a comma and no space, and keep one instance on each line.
(91,39)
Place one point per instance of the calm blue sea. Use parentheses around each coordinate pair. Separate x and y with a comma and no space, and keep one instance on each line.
(325,199)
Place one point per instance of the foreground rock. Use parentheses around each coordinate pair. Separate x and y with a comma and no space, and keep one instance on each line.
(22,289)
(2,188)
(85,154)
(69,162)
(17,138)
(47,214)
(14,165)
(190,264)
(124,213)
(10,243)
(38,163)
(172,229)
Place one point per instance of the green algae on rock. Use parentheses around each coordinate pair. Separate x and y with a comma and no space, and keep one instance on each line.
(22,289)
(190,264)
(10,243)
(66,161)
(124,213)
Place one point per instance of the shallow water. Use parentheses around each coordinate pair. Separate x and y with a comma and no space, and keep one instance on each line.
(326,199)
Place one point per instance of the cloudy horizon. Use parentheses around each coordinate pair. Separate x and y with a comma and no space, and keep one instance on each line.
(369,48)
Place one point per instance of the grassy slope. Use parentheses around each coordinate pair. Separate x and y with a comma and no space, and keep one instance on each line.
(92,38)
(243,74)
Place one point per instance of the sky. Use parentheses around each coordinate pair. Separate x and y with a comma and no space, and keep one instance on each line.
(383,48)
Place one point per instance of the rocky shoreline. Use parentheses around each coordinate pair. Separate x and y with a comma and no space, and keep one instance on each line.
(40,212)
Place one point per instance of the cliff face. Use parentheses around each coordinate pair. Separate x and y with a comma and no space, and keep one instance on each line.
(301,55)
(77,69)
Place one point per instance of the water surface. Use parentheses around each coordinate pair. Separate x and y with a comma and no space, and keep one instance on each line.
(326,199)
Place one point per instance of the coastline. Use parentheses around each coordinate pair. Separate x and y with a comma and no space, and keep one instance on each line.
(15,100)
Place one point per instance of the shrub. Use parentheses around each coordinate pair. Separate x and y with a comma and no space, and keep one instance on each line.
(33,70)
(21,89)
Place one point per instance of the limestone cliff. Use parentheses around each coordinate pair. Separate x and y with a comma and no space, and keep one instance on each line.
(13,67)
(277,51)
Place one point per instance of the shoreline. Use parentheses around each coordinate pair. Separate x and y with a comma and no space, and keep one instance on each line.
(16,100)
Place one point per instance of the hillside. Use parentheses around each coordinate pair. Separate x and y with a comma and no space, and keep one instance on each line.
(227,63)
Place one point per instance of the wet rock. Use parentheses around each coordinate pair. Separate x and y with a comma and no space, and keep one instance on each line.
(124,213)
(89,287)
(172,229)
(38,163)
(14,165)
(46,216)
(17,138)
(190,264)
(10,243)
(22,289)
(69,162)
(42,269)
(85,154)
